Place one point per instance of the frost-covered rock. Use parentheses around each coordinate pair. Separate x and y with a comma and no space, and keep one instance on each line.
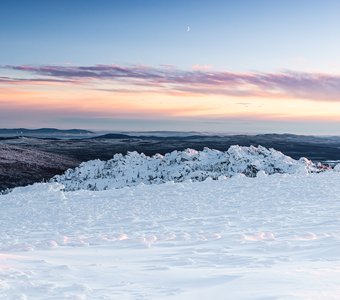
(135,168)
(337,168)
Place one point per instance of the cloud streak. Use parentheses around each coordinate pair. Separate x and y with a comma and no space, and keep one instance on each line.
(300,85)
(18,81)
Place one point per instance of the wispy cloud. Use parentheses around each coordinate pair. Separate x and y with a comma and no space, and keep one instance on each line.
(198,81)
(13,80)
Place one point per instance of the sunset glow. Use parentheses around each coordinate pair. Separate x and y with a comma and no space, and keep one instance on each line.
(130,93)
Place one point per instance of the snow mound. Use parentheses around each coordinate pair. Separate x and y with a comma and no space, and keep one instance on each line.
(337,168)
(136,168)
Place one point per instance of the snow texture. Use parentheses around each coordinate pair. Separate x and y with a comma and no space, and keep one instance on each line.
(178,166)
(267,237)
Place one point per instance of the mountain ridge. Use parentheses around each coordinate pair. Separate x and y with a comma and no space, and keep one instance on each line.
(22,131)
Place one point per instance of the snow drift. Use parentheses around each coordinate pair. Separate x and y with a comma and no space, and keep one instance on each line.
(135,168)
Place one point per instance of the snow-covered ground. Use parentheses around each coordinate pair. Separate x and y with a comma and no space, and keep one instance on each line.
(269,237)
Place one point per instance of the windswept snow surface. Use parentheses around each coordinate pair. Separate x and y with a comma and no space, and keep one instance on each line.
(178,166)
(269,237)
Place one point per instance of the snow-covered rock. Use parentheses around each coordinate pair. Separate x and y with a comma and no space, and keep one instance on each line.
(135,168)
(337,168)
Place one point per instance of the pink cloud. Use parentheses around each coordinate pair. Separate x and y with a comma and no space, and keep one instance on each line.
(199,81)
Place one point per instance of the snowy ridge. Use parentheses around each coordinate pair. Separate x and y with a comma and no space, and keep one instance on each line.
(134,168)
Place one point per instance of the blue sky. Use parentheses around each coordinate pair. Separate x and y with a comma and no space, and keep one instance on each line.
(267,38)
(237,35)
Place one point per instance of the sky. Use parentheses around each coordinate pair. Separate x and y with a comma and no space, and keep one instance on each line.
(213,66)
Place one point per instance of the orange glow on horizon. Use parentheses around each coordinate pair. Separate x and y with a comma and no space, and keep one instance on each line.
(78,99)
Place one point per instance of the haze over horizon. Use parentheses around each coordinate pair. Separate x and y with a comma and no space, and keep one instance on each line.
(245,66)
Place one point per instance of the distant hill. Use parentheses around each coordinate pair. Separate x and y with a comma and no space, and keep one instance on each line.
(114,136)
(118,136)
(21,166)
(25,131)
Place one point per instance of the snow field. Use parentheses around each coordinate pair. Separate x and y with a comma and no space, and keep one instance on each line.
(269,237)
